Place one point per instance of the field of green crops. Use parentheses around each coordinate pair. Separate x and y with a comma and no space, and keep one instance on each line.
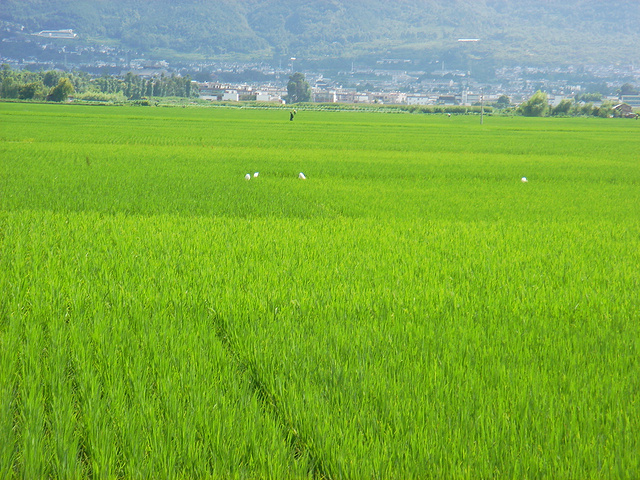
(410,310)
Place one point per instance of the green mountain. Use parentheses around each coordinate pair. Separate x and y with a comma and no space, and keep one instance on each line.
(542,31)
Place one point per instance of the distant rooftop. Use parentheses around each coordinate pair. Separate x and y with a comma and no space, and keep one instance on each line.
(56,34)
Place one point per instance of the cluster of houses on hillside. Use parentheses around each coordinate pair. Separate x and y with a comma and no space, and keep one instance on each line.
(388,81)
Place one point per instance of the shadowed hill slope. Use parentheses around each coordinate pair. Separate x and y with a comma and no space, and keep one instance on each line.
(577,31)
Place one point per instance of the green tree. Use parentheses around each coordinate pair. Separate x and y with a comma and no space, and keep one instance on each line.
(536,106)
(9,88)
(32,90)
(503,102)
(589,97)
(298,89)
(158,87)
(191,89)
(51,78)
(587,109)
(605,110)
(108,84)
(563,108)
(61,92)
(5,71)
(132,86)
(628,89)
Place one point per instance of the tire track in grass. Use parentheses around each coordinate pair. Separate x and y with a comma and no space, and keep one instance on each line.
(300,445)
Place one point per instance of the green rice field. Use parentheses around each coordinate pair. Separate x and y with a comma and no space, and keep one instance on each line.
(410,310)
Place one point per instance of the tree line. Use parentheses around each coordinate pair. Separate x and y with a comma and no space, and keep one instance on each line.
(57,86)
(538,106)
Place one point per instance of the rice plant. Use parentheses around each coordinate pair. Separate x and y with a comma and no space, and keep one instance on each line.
(410,310)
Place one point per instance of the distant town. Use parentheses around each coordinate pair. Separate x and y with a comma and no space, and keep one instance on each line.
(394,81)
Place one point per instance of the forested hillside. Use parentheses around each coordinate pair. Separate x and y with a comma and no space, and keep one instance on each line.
(579,31)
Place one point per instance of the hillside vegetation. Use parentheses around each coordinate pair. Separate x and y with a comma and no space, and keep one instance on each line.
(579,31)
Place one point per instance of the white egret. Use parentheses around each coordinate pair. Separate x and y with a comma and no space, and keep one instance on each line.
(256,174)
(301,175)
(247,177)
(524,180)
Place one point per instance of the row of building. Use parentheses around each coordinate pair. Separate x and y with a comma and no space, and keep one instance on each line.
(233,93)
(214,91)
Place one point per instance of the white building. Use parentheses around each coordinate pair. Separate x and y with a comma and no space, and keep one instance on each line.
(418,99)
(470,98)
(633,100)
(230,96)
(362,98)
(324,96)
(268,97)
(68,34)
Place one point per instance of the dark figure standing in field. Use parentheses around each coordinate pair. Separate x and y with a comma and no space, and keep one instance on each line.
(292,114)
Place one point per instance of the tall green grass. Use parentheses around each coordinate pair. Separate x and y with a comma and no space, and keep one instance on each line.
(412,310)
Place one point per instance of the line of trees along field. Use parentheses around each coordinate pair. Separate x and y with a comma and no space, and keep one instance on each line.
(57,86)
(538,106)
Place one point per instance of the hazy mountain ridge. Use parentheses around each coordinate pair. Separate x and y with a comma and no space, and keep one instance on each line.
(581,31)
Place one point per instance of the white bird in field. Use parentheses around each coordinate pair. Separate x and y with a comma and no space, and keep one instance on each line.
(247,177)
(524,180)
(256,174)
(301,175)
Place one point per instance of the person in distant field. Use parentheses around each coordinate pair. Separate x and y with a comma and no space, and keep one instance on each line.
(291,115)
